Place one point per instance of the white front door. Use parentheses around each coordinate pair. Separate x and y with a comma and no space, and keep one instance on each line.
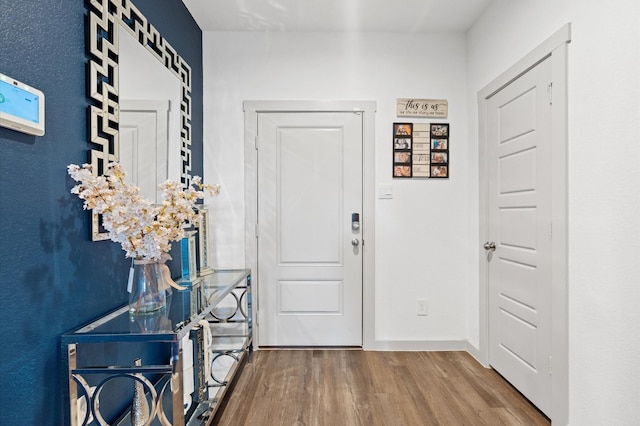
(519,148)
(309,251)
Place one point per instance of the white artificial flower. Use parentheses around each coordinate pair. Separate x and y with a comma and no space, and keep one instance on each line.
(142,229)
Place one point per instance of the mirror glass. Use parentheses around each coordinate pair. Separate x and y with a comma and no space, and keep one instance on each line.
(149,118)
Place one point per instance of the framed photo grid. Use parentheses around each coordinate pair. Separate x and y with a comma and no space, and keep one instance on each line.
(421,150)
(439,134)
(402,150)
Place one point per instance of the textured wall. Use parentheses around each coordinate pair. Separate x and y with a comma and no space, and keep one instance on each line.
(53,278)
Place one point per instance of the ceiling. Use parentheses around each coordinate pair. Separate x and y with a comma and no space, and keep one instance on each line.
(336,15)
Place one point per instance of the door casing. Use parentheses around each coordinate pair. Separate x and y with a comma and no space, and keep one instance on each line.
(368,109)
(556,48)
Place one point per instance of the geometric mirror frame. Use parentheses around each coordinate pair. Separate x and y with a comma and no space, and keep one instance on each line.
(105,18)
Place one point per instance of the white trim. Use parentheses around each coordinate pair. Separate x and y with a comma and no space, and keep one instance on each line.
(556,48)
(537,55)
(368,108)
(421,345)
(559,243)
(473,351)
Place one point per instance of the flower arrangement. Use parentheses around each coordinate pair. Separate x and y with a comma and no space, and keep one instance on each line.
(144,230)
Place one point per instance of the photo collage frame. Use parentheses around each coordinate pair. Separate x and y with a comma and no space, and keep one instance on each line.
(421,150)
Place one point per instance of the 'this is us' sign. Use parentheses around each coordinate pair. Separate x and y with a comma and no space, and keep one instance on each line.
(407,107)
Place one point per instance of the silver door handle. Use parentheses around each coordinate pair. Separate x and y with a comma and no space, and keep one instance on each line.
(355,242)
(489,246)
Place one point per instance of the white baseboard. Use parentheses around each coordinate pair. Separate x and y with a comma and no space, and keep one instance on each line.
(419,345)
(475,352)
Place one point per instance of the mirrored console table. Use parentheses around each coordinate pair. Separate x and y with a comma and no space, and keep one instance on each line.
(172,367)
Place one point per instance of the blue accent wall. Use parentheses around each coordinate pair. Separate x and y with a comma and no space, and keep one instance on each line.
(53,278)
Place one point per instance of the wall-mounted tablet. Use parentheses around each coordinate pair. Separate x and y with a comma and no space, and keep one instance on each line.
(21,106)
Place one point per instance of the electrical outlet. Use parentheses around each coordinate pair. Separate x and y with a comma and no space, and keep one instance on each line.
(422,307)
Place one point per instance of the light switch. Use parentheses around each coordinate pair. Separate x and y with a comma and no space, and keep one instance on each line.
(385,191)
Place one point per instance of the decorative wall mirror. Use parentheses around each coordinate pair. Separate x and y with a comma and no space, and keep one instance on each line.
(134,77)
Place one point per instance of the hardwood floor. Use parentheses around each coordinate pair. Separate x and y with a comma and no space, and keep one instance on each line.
(353,387)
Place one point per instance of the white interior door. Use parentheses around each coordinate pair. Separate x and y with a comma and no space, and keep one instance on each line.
(519,135)
(309,252)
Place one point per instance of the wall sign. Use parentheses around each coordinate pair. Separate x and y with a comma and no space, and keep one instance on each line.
(436,108)
(421,150)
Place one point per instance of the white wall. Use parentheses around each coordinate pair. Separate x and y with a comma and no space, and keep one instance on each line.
(604,185)
(425,235)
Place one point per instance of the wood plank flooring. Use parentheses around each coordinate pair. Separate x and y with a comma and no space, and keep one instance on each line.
(353,387)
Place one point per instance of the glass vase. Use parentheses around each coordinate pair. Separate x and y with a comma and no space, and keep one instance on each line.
(147,294)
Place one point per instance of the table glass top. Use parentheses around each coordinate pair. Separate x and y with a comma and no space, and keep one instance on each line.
(184,309)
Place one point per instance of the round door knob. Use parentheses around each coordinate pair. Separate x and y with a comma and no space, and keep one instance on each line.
(489,246)
(355,242)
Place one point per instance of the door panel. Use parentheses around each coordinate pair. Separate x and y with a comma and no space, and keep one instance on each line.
(523,278)
(309,169)
(518,134)
(516,337)
(309,273)
(517,171)
(518,227)
(310,297)
(518,116)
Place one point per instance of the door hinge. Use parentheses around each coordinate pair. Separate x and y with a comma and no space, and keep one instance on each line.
(550,92)
(256,230)
(255,141)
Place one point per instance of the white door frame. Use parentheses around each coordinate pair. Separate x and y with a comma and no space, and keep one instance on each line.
(556,48)
(368,109)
